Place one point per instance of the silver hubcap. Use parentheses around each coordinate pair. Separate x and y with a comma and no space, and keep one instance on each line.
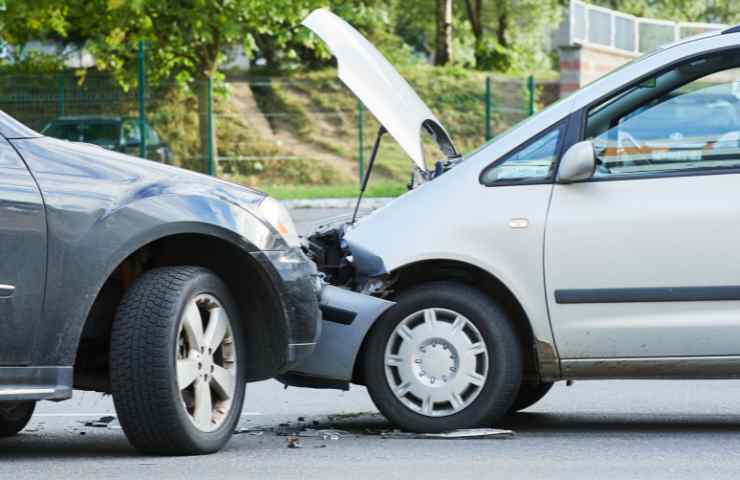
(436,362)
(206,362)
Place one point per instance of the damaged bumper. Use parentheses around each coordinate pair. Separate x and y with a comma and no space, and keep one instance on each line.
(347,317)
(299,287)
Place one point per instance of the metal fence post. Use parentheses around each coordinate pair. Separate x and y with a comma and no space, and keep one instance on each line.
(530,87)
(489,101)
(61,95)
(211,166)
(142,101)
(361,138)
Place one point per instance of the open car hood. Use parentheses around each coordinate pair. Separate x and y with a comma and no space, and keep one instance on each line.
(379,86)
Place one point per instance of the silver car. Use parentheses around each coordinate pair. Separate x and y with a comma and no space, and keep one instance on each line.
(599,239)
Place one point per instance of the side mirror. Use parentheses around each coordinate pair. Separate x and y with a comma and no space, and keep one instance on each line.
(578,163)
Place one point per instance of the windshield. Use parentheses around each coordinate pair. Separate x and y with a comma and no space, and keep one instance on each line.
(606,78)
(100,133)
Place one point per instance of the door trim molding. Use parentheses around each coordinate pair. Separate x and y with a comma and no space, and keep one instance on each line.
(705,367)
(650,294)
(6,290)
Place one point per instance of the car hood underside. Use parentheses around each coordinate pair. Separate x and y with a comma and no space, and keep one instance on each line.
(379,86)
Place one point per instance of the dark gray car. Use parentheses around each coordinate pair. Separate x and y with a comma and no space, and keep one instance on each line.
(122,134)
(165,288)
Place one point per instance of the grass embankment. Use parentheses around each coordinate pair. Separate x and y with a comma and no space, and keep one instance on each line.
(296,136)
(382,188)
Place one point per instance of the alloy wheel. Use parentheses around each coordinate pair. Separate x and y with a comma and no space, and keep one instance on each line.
(206,362)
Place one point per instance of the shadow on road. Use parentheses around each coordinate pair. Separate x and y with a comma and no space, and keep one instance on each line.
(604,422)
(34,445)
(368,426)
(535,423)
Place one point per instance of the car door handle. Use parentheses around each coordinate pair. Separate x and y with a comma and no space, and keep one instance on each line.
(6,290)
(517,223)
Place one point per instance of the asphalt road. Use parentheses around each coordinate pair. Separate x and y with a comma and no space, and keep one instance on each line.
(604,430)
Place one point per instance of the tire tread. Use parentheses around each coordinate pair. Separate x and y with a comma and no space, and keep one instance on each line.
(141,380)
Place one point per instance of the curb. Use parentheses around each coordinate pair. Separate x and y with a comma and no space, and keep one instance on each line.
(371,203)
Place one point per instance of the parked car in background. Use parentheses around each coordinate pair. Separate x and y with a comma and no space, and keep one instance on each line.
(597,239)
(165,288)
(122,134)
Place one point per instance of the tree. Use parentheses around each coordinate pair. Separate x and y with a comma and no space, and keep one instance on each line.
(443,46)
(508,34)
(186,40)
(474,9)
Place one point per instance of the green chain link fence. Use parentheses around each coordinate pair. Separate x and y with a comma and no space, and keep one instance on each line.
(263,131)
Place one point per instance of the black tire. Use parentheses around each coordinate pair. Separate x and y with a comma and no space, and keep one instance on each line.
(529,394)
(504,367)
(14,416)
(144,345)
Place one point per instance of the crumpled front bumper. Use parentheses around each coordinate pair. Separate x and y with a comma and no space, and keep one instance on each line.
(298,286)
(347,318)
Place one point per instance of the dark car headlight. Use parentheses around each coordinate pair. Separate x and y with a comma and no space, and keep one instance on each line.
(278,216)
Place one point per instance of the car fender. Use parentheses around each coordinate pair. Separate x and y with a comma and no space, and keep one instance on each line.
(101,207)
(425,224)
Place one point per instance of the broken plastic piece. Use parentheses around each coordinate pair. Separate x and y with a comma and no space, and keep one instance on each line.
(102,422)
(324,434)
(470,434)
(294,442)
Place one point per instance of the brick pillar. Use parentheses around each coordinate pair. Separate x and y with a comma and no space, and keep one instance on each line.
(581,65)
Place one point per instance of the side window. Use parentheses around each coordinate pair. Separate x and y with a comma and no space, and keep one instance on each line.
(151,136)
(131,134)
(533,163)
(682,120)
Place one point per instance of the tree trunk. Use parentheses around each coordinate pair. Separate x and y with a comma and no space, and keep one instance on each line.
(206,128)
(443,50)
(501,28)
(474,8)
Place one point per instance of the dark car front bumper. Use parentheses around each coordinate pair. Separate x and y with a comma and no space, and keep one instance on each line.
(298,286)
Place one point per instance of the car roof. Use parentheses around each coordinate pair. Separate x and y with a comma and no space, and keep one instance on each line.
(89,118)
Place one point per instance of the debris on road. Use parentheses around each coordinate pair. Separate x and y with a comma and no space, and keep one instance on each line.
(470,434)
(296,432)
(285,430)
(294,442)
(102,422)
(324,434)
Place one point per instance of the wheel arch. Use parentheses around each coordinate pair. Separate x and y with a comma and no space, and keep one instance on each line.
(217,249)
(539,355)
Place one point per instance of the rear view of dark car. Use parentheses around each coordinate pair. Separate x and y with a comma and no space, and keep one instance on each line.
(122,134)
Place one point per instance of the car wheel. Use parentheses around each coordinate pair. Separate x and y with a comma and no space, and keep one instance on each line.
(14,416)
(177,362)
(529,394)
(445,357)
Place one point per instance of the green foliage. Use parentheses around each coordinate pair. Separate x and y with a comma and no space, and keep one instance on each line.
(373,18)
(186,40)
(32,63)
(26,20)
(514,31)
(490,55)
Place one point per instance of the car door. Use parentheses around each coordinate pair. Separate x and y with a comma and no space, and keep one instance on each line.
(156,150)
(22,257)
(643,259)
(131,136)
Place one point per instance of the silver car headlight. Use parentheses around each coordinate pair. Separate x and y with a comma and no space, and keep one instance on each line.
(278,216)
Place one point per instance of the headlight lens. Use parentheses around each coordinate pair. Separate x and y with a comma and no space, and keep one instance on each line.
(279,217)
